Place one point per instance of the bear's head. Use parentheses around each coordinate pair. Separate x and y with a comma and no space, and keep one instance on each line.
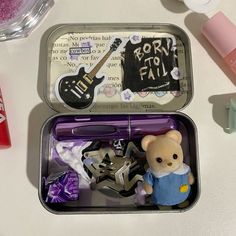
(164,152)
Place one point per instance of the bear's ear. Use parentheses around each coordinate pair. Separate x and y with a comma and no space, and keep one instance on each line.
(175,135)
(147,140)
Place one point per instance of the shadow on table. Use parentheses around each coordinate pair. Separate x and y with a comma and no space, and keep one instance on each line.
(219,110)
(39,114)
(36,119)
(174,6)
(194,22)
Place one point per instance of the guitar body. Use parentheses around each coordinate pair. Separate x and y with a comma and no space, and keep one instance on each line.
(77,91)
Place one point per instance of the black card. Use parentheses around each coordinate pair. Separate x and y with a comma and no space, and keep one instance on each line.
(151,65)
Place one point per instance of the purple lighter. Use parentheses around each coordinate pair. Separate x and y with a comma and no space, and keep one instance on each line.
(113,127)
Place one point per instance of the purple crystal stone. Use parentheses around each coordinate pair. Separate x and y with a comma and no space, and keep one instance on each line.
(62,188)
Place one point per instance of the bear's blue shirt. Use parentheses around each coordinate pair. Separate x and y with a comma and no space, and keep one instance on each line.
(169,188)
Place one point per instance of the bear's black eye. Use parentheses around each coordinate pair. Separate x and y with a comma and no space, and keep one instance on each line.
(159,160)
(175,156)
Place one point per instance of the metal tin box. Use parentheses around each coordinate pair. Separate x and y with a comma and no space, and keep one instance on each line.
(118,82)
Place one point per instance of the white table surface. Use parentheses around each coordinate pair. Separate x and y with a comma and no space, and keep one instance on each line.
(21,212)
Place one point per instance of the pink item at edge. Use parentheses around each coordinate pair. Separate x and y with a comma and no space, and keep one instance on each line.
(5,141)
(221,33)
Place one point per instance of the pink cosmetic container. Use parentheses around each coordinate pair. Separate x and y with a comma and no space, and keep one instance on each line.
(221,33)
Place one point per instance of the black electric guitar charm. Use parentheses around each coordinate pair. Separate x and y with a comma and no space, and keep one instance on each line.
(77,91)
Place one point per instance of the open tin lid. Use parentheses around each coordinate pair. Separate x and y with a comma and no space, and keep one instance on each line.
(118,68)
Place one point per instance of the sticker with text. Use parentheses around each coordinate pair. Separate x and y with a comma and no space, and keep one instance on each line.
(84,48)
(151,65)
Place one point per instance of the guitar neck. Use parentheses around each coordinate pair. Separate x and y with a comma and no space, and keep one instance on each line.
(95,70)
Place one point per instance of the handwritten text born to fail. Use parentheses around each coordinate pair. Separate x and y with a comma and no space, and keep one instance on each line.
(153,67)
